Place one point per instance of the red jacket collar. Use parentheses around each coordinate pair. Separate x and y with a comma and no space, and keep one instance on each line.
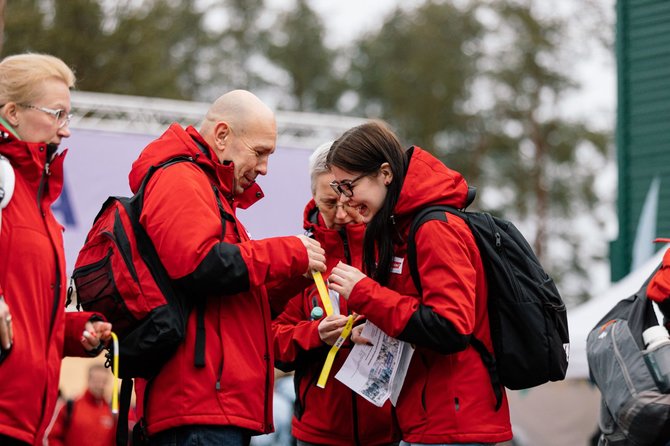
(429,182)
(29,159)
(176,142)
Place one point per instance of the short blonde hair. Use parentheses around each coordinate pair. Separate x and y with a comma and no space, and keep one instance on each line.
(21,75)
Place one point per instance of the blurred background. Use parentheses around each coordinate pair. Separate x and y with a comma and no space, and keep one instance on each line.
(557,112)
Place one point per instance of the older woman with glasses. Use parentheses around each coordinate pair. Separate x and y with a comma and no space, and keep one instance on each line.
(35,331)
(303,334)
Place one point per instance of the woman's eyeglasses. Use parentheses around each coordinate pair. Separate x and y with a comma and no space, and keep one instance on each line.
(346,187)
(62,118)
(331,205)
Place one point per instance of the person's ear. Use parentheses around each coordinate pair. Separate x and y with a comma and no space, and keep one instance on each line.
(221,132)
(387,173)
(9,112)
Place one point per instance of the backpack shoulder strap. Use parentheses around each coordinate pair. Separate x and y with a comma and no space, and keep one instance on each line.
(436,212)
(139,195)
(424,215)
(199,353)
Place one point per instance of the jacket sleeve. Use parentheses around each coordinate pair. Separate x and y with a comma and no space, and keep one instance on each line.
(75,322)
(294,332)
(182,218)
(443,318)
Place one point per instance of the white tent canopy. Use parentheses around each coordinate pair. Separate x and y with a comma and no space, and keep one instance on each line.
(584,317)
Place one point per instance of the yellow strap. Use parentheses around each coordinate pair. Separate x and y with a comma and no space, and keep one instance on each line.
(325,371)
(115,371)
(323,292)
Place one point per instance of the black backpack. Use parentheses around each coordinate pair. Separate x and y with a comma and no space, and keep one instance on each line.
(527,317)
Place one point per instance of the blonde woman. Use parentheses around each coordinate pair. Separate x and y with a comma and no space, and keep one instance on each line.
(35,331)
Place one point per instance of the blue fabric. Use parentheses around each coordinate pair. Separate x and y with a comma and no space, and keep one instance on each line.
(404,443)
(282,408)
(202,436)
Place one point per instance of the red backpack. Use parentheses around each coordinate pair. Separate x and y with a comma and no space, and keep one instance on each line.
(119,274)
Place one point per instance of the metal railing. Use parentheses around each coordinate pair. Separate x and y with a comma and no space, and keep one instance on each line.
(136,114)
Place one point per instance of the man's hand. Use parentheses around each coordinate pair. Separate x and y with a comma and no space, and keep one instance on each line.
(316,254)
(343,278)
(330,328)
(6,332)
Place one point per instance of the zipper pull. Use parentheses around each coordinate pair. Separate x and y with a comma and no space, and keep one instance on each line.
(498,240)
(70,290)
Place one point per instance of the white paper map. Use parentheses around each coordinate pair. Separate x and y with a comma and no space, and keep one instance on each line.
(376,372)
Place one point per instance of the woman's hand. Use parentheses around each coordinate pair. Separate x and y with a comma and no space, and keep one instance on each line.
(96,334)
(6,332)
(343,278)
(330,328)
(356,337)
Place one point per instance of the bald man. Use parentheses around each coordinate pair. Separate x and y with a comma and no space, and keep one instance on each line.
(189,214)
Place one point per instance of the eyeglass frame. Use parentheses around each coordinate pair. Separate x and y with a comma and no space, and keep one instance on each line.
(346,187)
(56,113)
(322,205)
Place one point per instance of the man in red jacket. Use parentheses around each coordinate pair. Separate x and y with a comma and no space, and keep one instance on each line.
(334,415)
(189,214)
(88,419)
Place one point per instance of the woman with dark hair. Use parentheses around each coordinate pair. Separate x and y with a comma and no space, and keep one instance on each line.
(447,397)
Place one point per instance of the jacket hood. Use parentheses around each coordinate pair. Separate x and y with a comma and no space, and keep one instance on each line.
(179,142)
(429,182)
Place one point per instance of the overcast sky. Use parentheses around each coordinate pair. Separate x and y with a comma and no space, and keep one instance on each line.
(594,68)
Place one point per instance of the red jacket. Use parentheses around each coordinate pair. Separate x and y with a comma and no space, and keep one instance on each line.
(658,289)
(89,421)
(446,398)
(33,281)
(183,218)
(335,415)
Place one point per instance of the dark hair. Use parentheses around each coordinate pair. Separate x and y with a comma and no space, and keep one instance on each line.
(364,149)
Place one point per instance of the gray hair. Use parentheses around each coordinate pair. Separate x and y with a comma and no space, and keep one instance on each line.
(317,163)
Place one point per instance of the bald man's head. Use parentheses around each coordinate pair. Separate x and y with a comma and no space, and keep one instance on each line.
(241,130)
(238,108)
